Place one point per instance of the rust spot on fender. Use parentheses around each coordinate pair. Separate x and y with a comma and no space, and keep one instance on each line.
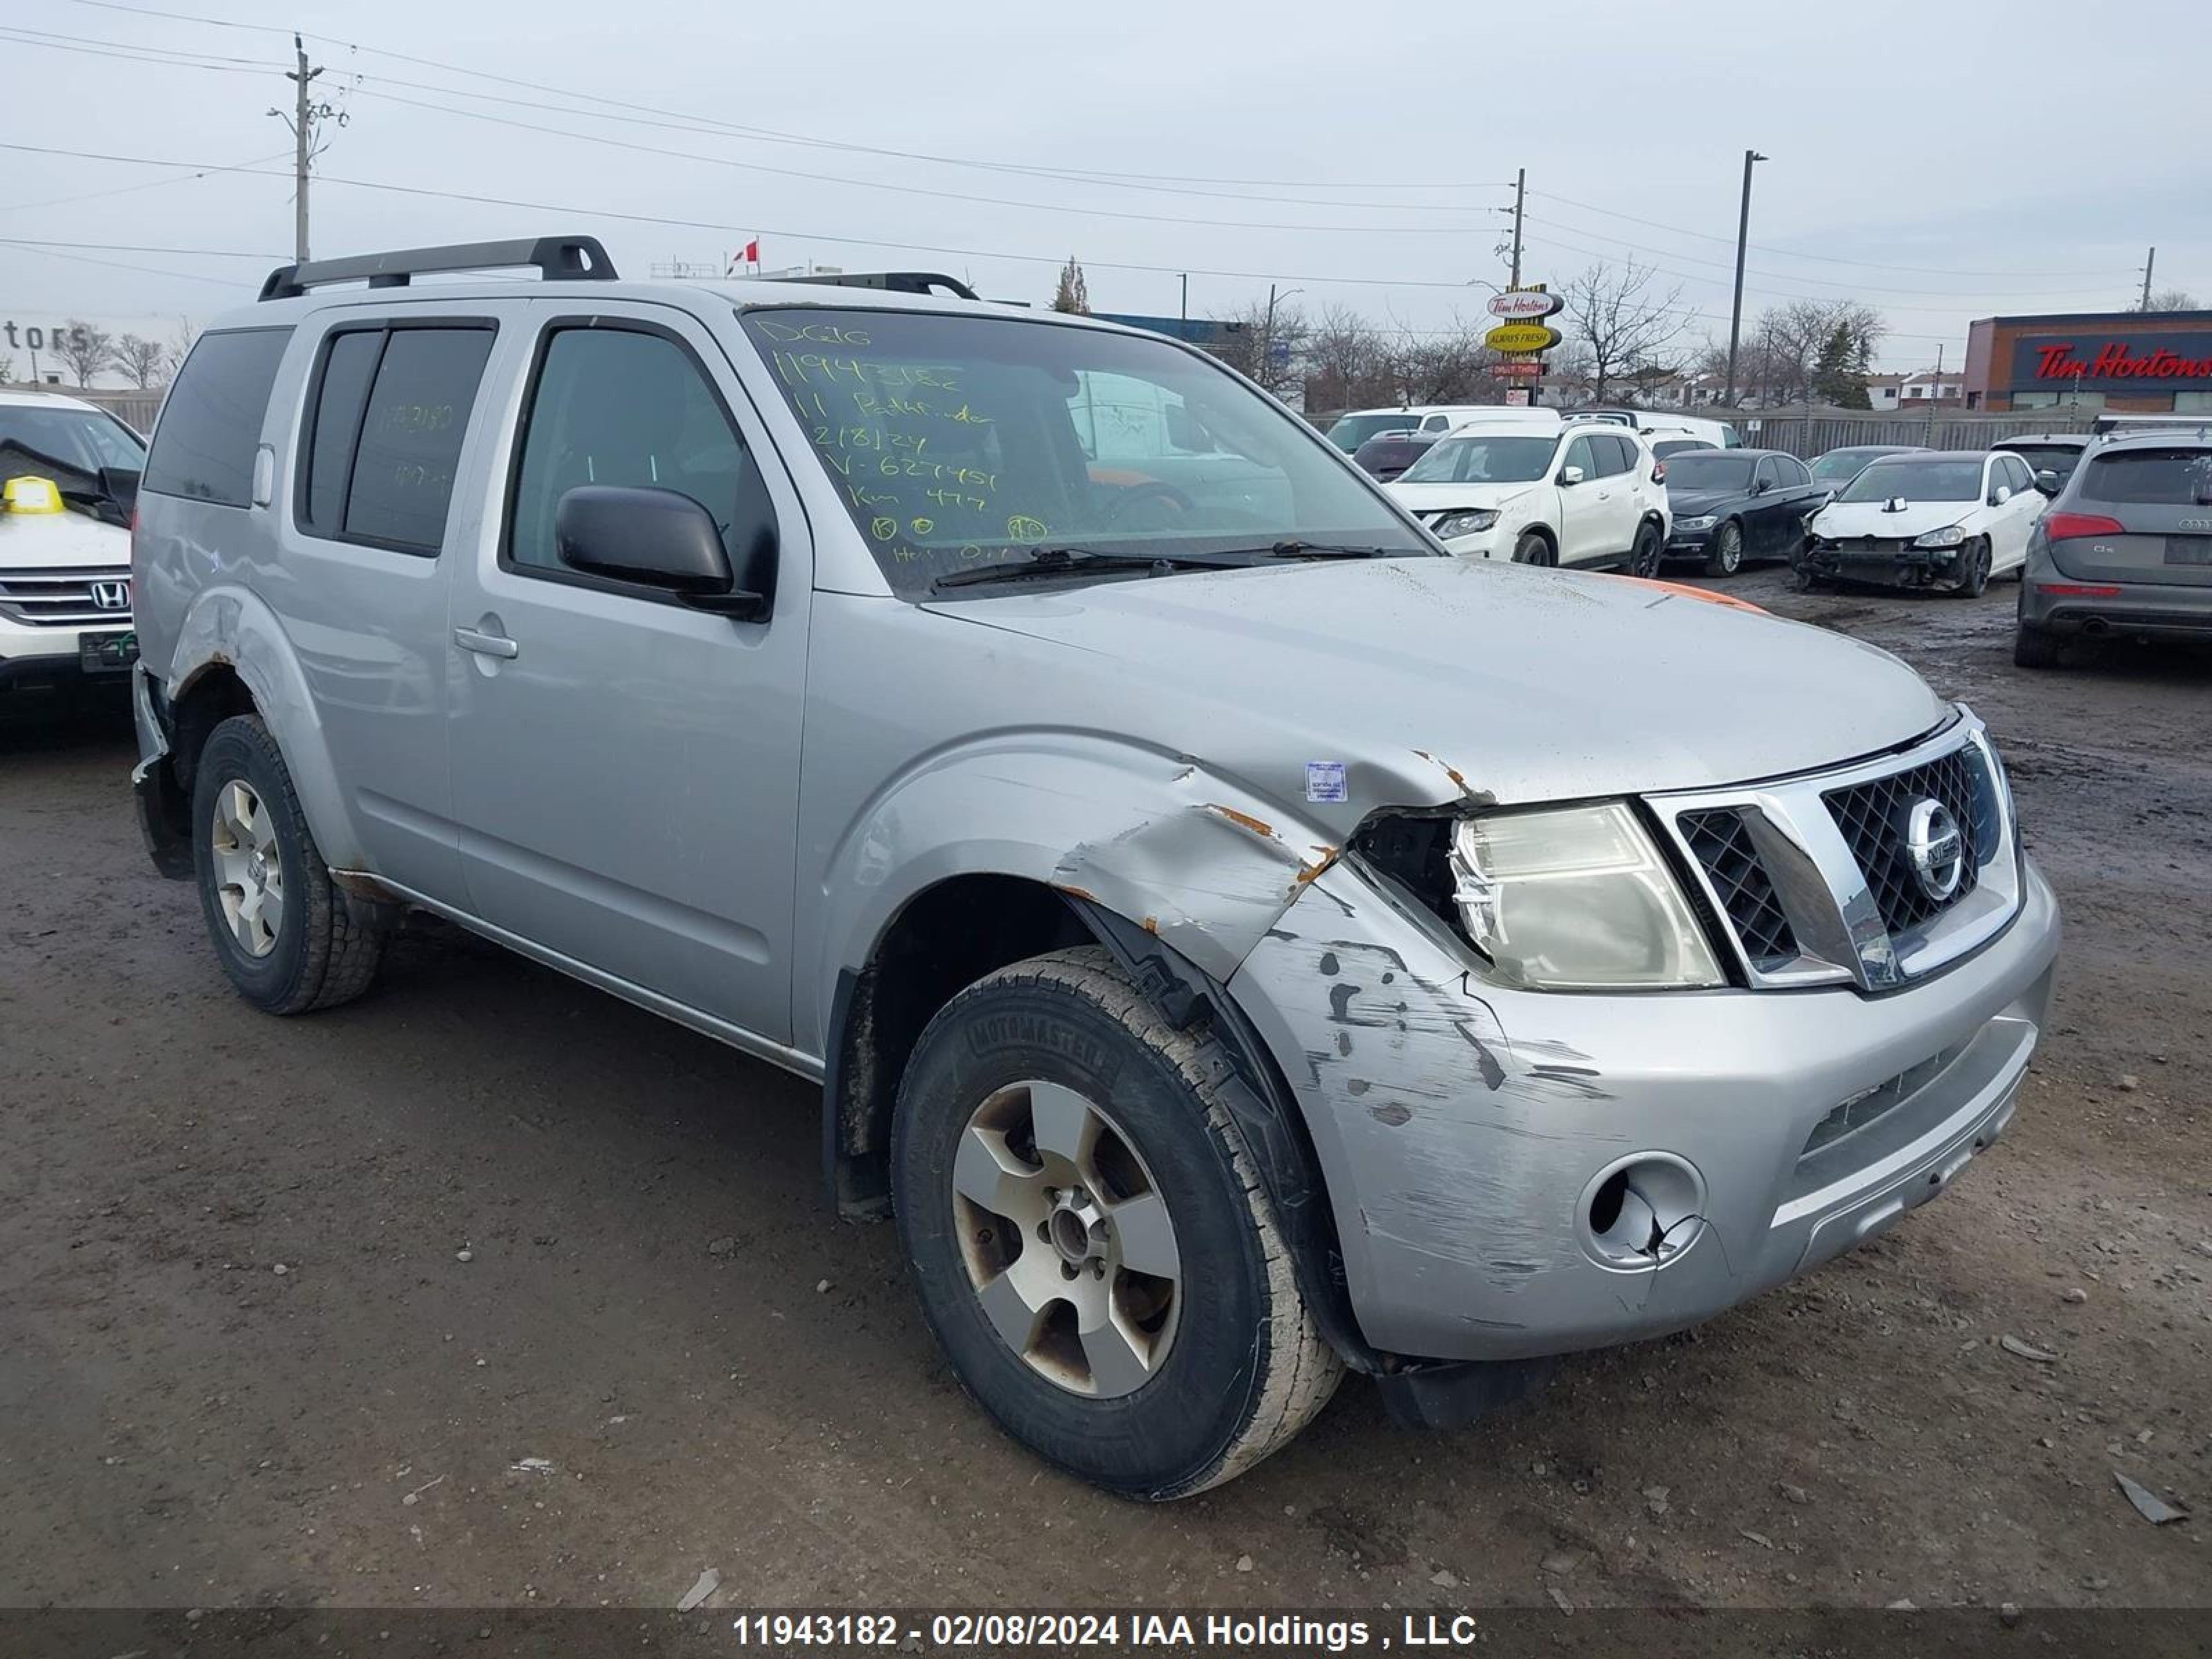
(1152,925)
(1244,820)
(1319,867)
(1084,893)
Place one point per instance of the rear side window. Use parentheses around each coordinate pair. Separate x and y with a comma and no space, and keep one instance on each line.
(2152,478)
(389,410)
(211,423)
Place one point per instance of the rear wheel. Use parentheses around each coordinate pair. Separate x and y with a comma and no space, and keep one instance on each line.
(288,939)
(1724,553)
(1091,1242)
(2033,649)
(1649,554)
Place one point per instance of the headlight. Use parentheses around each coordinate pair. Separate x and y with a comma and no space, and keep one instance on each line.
(1949,536)
(1693,524)
(1465,524)
(1576,898)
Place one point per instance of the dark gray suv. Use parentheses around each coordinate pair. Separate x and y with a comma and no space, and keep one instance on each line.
(2125,548)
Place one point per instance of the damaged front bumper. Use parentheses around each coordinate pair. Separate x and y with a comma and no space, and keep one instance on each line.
(1897,564)
(1486,1149)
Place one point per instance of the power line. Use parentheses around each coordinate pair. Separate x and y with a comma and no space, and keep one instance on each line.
(124,190)
(136,247)
(1102,175)
(1823,282)
(1791,253)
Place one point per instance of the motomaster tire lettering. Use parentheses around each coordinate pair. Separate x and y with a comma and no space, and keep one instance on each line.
(998,1031)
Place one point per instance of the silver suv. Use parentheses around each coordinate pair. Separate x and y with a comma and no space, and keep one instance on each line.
(1236,940)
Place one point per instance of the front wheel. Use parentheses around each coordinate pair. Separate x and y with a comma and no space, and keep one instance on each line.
(1091,1242)
(1649,553)
(288,939)
(1532,548)
(1973,577)
(1724,553)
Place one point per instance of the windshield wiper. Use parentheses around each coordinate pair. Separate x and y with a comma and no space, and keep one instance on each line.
(1302,549)
(1072,561)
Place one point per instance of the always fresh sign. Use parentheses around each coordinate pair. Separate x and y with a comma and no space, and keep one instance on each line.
(1521,336)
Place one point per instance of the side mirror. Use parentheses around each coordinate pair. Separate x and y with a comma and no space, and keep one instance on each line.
(2000,494)
(663,538)
(1760,486)
(120,485)
(1570,475)
(2047,481)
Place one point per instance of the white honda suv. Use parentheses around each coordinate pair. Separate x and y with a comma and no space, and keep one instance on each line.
(69,474)
(1584,496)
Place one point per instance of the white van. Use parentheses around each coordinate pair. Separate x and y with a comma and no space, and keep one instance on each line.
(1719,434)
(1357,426)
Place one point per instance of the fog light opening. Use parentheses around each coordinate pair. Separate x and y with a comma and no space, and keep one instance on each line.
(1642,1211)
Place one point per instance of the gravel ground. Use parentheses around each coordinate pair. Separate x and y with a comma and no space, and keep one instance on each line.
(492,1291)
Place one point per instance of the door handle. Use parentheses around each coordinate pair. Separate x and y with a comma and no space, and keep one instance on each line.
(486,645)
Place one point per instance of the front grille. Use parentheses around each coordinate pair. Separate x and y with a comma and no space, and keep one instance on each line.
(1721,845)
(1872,816)
(60,598)
(1865,544)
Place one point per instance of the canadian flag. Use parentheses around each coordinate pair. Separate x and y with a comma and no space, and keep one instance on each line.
(749,255)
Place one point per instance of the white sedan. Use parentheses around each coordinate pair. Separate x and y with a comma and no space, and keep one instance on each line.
(1947,518)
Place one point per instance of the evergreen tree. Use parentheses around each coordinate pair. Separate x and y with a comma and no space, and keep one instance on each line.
(1073,293)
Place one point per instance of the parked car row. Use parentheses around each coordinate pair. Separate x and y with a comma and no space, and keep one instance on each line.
(69,473)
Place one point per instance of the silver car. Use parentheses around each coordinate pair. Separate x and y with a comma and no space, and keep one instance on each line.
(2125,548)
(1237,941)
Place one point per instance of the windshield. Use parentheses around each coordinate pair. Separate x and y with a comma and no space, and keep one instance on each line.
(1483,461)
(1840,463)
(957,442)
(1713,470)
(1352,430)
(1917,481)
(76,441)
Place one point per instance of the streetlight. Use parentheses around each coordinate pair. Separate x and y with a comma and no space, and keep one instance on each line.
(1267,344)
(1751,157)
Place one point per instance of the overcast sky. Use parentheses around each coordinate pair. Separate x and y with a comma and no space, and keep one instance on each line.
(1972,158)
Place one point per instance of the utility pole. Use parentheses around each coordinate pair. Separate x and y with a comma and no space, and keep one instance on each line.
(2149,259)
(1185,313)
(1520,201)
(1750,158)
(305,118)
(1268,343)
(1934,396)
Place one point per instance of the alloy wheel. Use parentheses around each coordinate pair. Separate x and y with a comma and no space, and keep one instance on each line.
(249,867)
(1066,1239)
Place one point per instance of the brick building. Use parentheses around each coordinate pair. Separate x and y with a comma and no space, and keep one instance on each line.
(2138,361)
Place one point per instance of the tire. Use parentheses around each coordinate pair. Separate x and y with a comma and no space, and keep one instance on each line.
(1803,579)
(2033,649)
(1532,548)
(1973,579)
(320,949)
(1232,1365)
(1649,553)
(1724,552)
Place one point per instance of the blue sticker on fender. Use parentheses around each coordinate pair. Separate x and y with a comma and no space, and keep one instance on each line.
(1325,780)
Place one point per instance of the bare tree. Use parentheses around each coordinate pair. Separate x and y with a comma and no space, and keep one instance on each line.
(179,346)
(143,360)
(1074,294)
(2174,298)
(1266,345)
(1783,363)
(1625,321)
(1348,362)
(1448,365)
(85,348)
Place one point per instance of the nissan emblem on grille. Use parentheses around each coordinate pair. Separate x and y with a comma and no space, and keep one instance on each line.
(1936,849)
(110,596)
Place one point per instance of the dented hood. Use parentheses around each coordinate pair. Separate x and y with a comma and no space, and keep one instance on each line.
(1437,679)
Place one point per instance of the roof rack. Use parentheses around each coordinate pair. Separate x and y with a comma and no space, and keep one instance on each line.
(893,281)
(568,258)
